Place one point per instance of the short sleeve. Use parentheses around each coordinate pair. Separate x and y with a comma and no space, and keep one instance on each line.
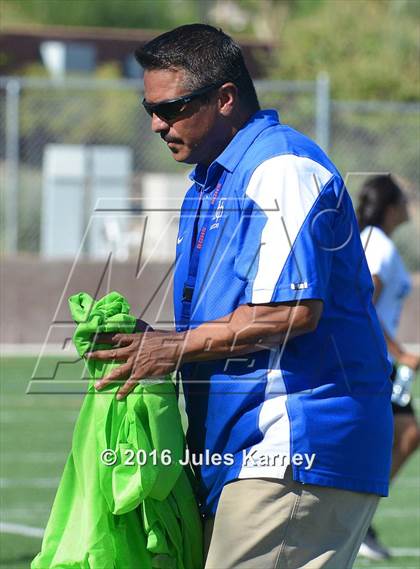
(380,252)
(286,232)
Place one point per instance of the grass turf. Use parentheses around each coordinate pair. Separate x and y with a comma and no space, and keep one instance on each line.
(36,437)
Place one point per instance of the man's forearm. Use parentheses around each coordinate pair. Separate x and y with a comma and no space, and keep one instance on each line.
(248,329)
(245,330)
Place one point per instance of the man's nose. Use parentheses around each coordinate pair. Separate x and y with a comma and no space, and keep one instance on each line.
(158,124)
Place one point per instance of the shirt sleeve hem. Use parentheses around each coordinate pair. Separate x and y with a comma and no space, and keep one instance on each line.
(301,291)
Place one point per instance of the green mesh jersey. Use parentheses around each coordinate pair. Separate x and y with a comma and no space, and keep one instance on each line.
(124,516)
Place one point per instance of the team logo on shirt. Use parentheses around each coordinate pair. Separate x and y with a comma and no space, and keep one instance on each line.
(218,214)
(299,286)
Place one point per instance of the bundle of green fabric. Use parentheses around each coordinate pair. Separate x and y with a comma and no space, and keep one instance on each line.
(134,514)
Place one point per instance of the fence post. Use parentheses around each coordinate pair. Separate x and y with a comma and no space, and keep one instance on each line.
(323,110)
(12,165)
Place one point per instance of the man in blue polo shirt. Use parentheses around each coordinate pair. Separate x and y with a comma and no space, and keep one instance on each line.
(283,362)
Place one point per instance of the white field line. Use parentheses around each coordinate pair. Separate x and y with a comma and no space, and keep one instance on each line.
(405,552)
(17,456)
(29,531)
(29,482)
(395,552)
(23,516)
(6,514)
(9,417)
(24,400)
(409,482)
(36,516)
(18,529)
(31,350)
(398,513)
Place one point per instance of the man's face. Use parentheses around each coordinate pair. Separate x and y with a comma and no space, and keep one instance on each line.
(193,136)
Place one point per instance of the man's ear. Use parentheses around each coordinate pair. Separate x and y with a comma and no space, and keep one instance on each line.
(228,98)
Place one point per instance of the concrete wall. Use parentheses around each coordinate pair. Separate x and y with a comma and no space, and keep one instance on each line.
(33,297)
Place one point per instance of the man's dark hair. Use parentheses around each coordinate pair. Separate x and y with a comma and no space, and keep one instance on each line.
(208,55)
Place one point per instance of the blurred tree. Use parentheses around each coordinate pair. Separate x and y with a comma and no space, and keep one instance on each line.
(370,48)
(103,13)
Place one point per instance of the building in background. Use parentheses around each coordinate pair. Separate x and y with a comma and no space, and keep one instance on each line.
(84,49)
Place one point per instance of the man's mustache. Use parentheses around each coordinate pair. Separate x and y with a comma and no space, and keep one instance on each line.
(170,139)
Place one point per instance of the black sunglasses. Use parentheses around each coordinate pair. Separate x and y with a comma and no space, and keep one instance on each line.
(171,109)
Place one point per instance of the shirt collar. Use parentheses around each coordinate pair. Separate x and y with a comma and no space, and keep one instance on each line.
(234,151)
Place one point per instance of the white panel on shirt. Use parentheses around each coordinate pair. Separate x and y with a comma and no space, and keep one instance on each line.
(385,262)
(270,457)
(293,184)
(285,188)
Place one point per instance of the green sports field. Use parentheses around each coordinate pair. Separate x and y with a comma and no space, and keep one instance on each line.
(35,439)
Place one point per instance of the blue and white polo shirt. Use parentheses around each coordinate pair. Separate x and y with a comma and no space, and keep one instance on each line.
(283,228)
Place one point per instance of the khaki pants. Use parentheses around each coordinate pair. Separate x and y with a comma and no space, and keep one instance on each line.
(282,524)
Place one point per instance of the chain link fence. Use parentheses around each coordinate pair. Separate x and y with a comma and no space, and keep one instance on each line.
(360,137)
(380,137)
